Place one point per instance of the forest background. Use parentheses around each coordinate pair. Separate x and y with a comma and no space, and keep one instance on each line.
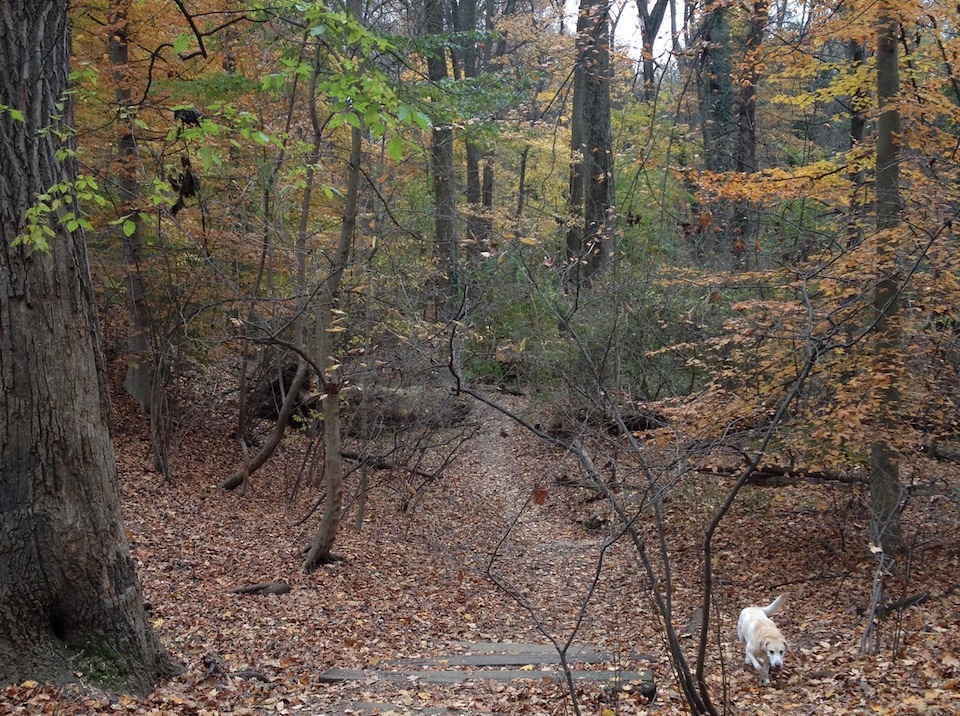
(735,256)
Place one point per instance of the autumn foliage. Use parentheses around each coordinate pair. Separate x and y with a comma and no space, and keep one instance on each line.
(750,317)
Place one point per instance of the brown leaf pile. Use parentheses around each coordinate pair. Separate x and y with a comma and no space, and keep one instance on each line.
(497,551)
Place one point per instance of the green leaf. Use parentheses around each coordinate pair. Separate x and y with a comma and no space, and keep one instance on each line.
(274,81)
(129,227)
(209,157)
(15,113)
(395,149)
(181,43)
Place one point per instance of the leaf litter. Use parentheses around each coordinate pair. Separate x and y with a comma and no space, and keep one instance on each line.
(498,551)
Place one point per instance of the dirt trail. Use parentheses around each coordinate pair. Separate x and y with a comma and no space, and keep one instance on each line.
(499,532)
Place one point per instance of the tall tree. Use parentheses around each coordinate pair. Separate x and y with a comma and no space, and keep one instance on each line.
(320,548)
(716,109)
(858,131)
(715,86)
(885,488)
(746,221)
(144,380)
(470,61)
(68,591)
(651,20)
(446,238)
(592,195)
(138,381)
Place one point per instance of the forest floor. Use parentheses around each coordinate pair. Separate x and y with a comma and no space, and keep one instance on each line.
(497,550)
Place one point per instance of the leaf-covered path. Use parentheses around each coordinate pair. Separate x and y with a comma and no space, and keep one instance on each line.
(496,552)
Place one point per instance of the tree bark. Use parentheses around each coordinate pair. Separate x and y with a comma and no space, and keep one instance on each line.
(886,491)
(590,247)
(746,223)
(446,239)
(651,20)
(139,378)
(320,550)
(715,87)
(599,211)
(716,113)
(858,127)
(68,591)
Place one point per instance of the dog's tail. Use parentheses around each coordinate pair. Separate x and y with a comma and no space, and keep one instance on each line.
(776,605)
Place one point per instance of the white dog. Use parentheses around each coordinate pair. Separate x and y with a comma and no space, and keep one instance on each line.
(763,642)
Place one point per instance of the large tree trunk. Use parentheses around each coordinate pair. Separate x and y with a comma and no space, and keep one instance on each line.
(715,87)
(885,490)
(68,592)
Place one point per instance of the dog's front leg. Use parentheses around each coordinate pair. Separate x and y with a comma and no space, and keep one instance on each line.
(759,662)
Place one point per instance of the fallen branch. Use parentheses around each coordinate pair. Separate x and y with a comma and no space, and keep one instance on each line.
(277,587)
(886,610)
(380,463)
(250,674)
(777,476)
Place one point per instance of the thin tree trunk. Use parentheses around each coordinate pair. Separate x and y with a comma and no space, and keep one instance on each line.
(320,550)
(746,223)
(68,591)
(240,477)
(650,23)
(446,239)
(249,466)
(138,380)
(578,149)
(885,489)
(465,22)
(858,127)
(522,181)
